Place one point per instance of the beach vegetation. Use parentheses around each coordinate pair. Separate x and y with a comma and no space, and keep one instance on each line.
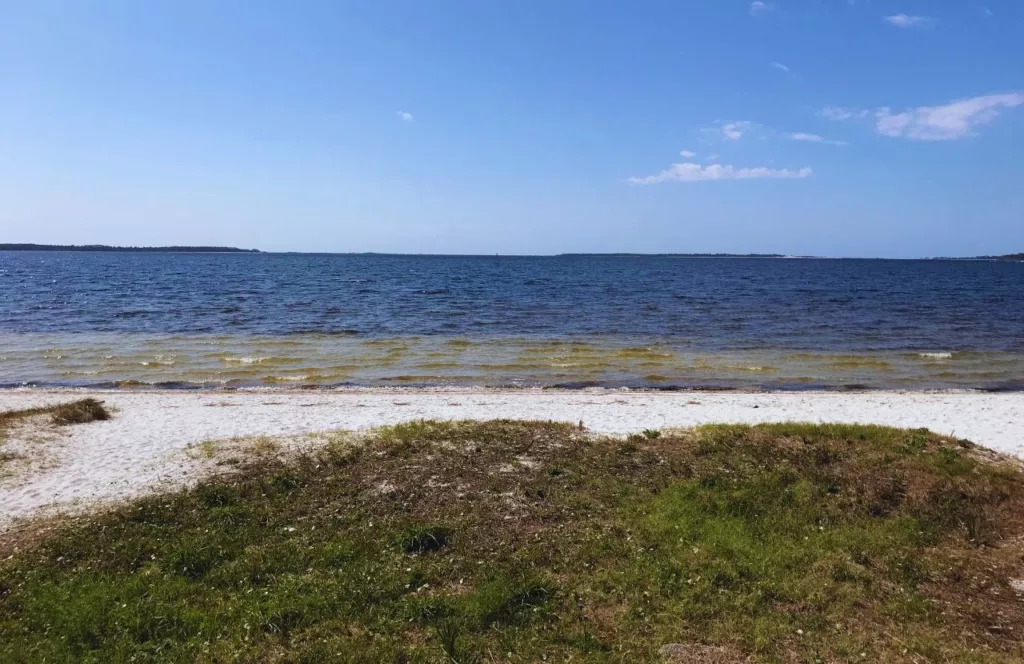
(80,411)
(439,542)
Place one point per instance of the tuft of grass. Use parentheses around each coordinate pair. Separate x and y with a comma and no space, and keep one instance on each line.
(771,543)
(449,635)
(425,540)
(74,412)
(79,412)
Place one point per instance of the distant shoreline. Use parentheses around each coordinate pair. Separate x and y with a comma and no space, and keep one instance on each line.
(108,248)
(1010,258)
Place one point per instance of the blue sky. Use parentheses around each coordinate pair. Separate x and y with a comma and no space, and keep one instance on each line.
(833,127)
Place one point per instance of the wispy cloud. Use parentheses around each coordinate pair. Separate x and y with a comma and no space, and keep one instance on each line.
(734,131)
(813,138)
(760,7)
(907,21)
(958,119)
(727,131)
(687,154)
(691,172)
(840,113)
(781,67)
(404,116)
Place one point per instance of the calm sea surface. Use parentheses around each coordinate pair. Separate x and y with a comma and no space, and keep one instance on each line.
(181,320)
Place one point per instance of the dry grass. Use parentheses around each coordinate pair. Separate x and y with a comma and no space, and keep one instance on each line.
(524,541)
(79,412)
(74,412)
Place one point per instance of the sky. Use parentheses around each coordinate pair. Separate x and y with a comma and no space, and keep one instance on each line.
(891,128)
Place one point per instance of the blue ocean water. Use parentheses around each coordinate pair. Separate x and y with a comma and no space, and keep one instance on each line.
(73,318)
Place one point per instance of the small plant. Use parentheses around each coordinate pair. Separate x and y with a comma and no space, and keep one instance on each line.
(974,523)
(425,540)
(586,637)
(651,434)
(629,446)
(448,634)
(80,412)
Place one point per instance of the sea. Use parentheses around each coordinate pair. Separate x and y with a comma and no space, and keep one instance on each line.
(194,321)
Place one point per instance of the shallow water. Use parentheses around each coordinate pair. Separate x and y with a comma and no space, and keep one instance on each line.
(658,322)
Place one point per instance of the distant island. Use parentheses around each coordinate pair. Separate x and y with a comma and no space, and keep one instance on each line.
(632,255)
(1004,257)
(104,247)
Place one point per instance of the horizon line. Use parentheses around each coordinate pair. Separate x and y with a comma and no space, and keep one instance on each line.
(206,249)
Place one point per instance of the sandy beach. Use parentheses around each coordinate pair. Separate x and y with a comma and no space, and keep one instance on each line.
(146,445)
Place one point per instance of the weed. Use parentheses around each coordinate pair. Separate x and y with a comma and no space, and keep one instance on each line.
(75,412)
(79,412)
(425,540)
(449,633)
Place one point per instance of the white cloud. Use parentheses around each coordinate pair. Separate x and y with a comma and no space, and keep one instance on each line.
(781,67)
(840,113)
(905,21)
(760,7)
(955,120)
(734,130)
(813,138)
(691,172)
(727,131)
(404,116)
(687,154)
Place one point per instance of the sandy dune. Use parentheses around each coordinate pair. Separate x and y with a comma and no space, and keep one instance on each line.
(144,446)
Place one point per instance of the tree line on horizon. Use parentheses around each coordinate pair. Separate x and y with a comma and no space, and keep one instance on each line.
(104,247)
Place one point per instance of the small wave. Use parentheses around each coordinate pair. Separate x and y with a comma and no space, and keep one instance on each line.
(245,360)
(936,356)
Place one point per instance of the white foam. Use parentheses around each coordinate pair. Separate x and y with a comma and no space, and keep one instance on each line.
(245,360)
(936,356)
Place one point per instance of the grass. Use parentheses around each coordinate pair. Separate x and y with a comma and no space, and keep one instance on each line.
(74,412)
(525,541)
(79,412)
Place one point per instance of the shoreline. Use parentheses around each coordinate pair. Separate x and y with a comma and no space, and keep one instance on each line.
(146,446)
(311,361)
(838,390)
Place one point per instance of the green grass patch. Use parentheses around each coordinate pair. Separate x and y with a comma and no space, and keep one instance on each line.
(524,541)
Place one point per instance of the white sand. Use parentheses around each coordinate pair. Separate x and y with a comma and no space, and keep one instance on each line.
(143,447)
